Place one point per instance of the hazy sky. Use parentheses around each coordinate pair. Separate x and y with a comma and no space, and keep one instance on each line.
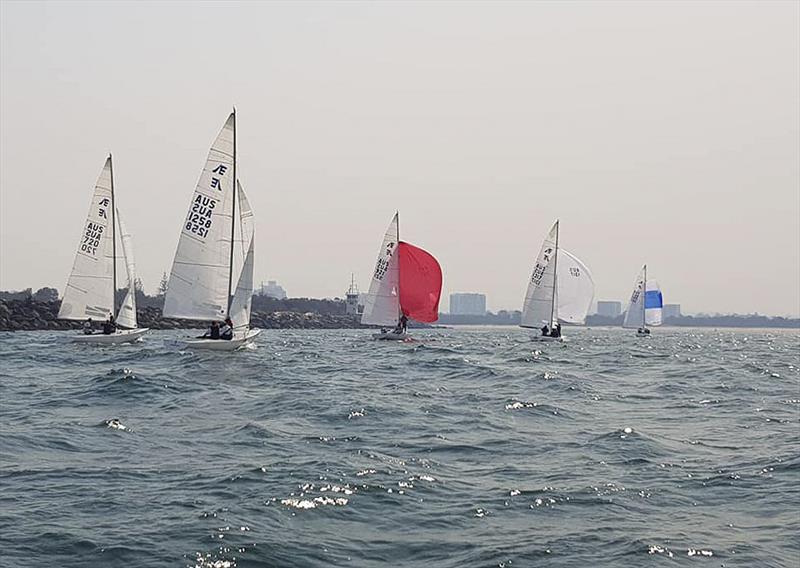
(666,133)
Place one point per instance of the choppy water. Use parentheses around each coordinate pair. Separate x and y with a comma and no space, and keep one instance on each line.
(472,447)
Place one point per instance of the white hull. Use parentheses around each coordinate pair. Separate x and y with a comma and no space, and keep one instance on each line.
(116,338)
(238,341)
(390,336)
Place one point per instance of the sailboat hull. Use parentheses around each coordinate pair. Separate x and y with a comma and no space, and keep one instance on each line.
(390,336)
(237,342)
(117,338)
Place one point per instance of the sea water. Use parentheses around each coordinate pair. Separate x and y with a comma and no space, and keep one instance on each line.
(467,447)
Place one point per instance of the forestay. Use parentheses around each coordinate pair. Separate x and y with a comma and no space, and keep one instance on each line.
(126,317)
(243,296)
(575,288)
(90,288)
(198,284)
(382,304)
(537,308)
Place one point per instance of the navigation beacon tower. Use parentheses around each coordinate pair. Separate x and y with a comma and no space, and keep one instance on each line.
(351,299)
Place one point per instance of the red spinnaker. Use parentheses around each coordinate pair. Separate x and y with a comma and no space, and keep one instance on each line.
(420,283)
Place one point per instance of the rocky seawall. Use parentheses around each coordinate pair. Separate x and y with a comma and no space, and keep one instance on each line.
(19,315)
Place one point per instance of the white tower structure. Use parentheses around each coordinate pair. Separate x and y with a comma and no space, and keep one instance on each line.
(351,298)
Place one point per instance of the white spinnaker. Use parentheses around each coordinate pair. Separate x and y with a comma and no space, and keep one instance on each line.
(90,288)
(382,304)
(633,315)
(126,316)
(243,295)
(575,288)
(653,315)
(198,283)
(538,305)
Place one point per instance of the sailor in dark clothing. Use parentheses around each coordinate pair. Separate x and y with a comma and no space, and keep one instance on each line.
(402,325)
(109,326)
(212,332)
(88,327)
(556,330)
(545,330)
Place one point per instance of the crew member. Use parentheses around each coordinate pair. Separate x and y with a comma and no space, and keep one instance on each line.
(226,332)
(109,326)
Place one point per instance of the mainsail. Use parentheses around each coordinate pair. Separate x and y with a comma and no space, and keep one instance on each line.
(126,317)
(634,316)
(199,281)
(382,304)
(90,288)
(575,288)
(420,283)
(538,307)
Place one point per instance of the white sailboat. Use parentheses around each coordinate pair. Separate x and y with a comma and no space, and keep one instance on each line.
(645,306)
(90,291)
(406,284)
(216,251)
(561,288)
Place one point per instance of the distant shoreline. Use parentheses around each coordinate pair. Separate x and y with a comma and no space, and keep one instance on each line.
(31,315)
(734,322)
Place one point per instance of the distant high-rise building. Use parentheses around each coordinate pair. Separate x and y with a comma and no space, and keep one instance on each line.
(609,309)
(672,311)
(462,304)
(273,290)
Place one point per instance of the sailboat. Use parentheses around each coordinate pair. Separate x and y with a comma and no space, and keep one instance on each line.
(212,274)
(561,288)
(406,284)
(91,288)
(645,306)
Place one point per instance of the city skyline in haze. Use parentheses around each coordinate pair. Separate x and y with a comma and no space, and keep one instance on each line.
(658,133)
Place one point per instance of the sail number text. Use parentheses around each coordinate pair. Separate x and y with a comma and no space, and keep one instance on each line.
(91,238)
(199,220)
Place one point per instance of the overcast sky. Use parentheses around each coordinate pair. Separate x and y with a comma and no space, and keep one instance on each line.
(666,133)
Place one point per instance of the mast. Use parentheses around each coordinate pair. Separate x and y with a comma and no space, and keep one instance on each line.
(233,219)
(113,241)
(644,298)
(555,278)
